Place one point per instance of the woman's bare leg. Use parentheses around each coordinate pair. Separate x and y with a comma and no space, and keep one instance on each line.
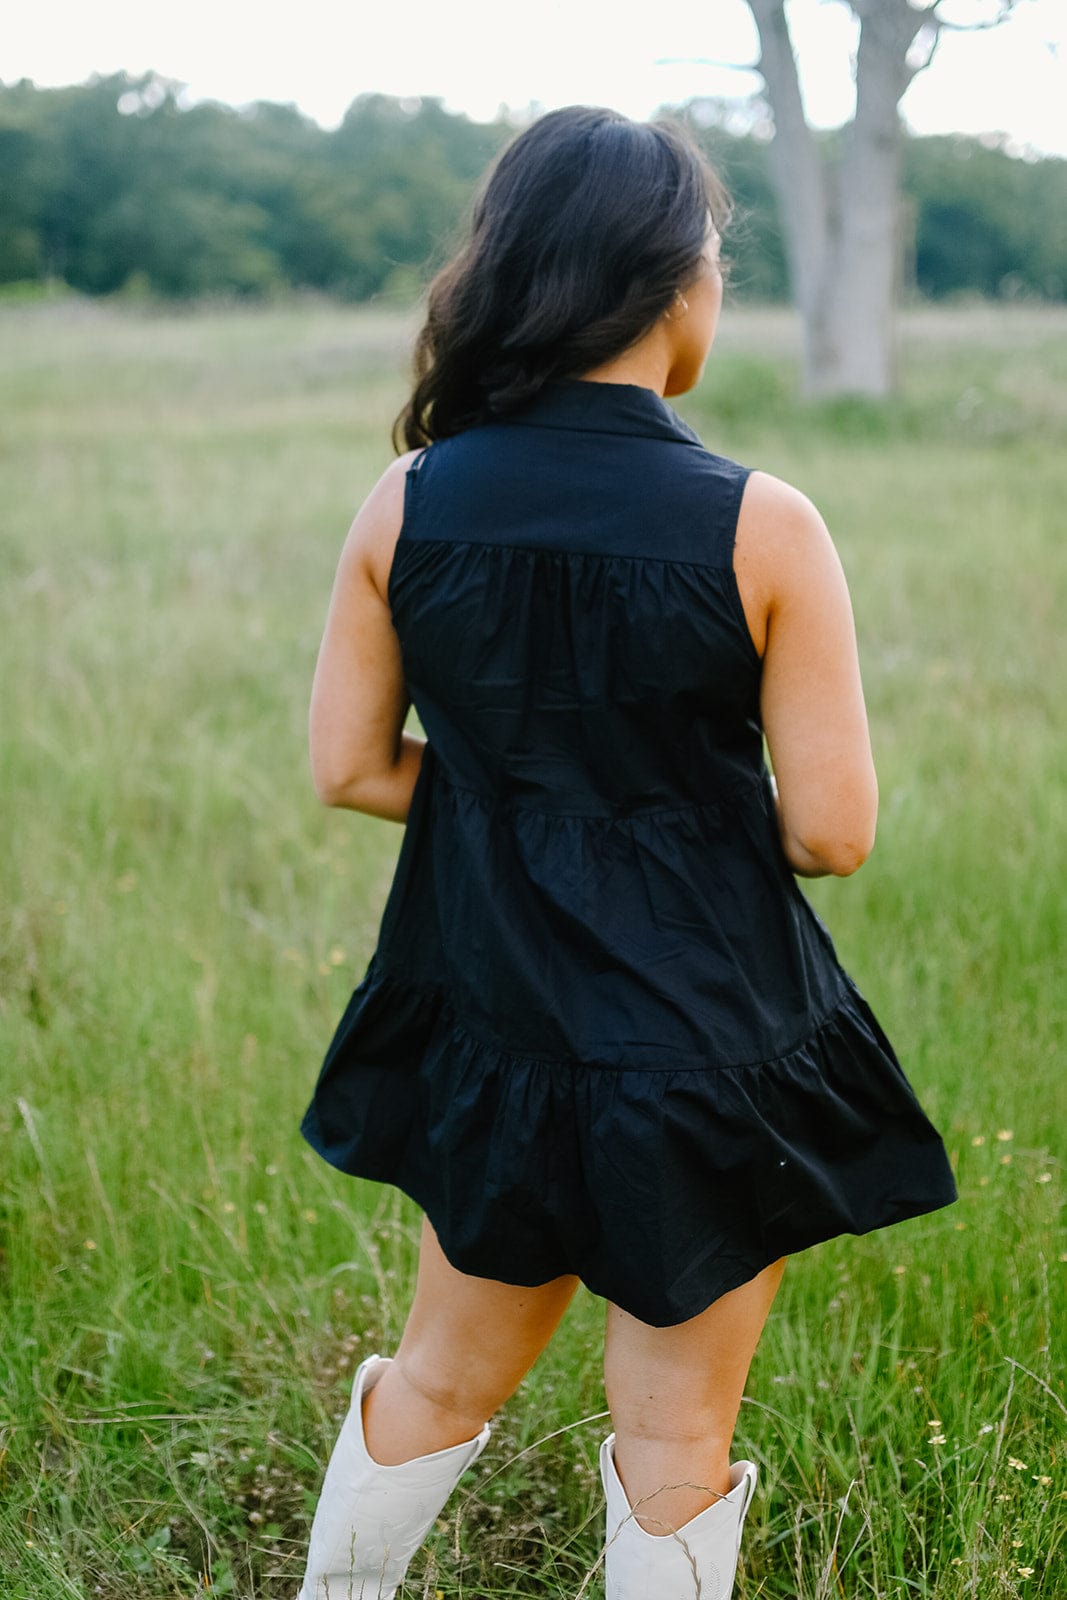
(674,1395)
(467,1345)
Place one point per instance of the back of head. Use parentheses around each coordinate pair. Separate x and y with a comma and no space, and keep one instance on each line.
(583,231)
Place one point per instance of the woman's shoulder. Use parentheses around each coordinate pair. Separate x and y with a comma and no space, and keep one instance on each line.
(783,548)
(777,521)
(375,528)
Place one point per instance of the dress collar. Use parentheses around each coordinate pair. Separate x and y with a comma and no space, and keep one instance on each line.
(604,408)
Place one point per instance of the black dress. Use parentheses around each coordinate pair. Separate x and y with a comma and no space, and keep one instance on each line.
(603,1032)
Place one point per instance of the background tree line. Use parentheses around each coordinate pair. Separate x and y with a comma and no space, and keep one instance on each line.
(111,186)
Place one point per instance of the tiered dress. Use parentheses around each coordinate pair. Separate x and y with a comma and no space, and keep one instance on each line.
(603,1032)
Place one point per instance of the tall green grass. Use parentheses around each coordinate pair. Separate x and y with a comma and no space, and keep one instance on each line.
(186,1288)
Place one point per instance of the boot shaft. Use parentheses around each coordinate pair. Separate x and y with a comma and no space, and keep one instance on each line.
(697,1562)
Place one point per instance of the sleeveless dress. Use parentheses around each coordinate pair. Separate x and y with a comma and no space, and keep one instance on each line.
(603,1032)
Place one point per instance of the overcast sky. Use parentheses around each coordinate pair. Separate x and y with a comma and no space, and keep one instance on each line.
(481,54)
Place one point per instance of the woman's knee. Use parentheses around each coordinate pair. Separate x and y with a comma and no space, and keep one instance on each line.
(433,1377)
(454,1368)
(669,1403)
(685,1380)
(468,1341)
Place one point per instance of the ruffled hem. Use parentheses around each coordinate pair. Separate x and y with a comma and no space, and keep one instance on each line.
(660,1189)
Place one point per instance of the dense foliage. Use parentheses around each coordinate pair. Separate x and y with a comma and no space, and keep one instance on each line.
(112,186)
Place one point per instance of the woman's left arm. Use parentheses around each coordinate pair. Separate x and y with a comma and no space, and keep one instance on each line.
(361,758)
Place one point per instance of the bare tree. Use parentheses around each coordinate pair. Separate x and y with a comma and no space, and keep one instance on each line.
(840,206)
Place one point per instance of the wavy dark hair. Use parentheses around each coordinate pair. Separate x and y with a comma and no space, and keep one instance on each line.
(582,232)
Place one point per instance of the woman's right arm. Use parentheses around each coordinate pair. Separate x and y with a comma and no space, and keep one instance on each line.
(797,603)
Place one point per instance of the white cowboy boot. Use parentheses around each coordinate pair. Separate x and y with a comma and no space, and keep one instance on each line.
(698,1562)
(371,1519)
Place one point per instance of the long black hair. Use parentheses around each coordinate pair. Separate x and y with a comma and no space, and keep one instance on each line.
(584,229)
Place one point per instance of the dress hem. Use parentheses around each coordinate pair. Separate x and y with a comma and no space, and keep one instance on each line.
(660,1187)
(748,1267)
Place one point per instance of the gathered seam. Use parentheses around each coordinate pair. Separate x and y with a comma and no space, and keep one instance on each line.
(573,1063)
(721,804)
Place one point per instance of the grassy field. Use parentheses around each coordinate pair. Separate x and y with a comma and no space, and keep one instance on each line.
(185,1287)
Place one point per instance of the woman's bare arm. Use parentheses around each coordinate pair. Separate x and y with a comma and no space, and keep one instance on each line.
(796,599)
(360,756)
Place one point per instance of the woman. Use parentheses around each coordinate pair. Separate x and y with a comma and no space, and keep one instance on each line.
(603,1037)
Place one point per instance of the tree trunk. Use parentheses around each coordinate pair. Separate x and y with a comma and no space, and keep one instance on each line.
(841,218)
